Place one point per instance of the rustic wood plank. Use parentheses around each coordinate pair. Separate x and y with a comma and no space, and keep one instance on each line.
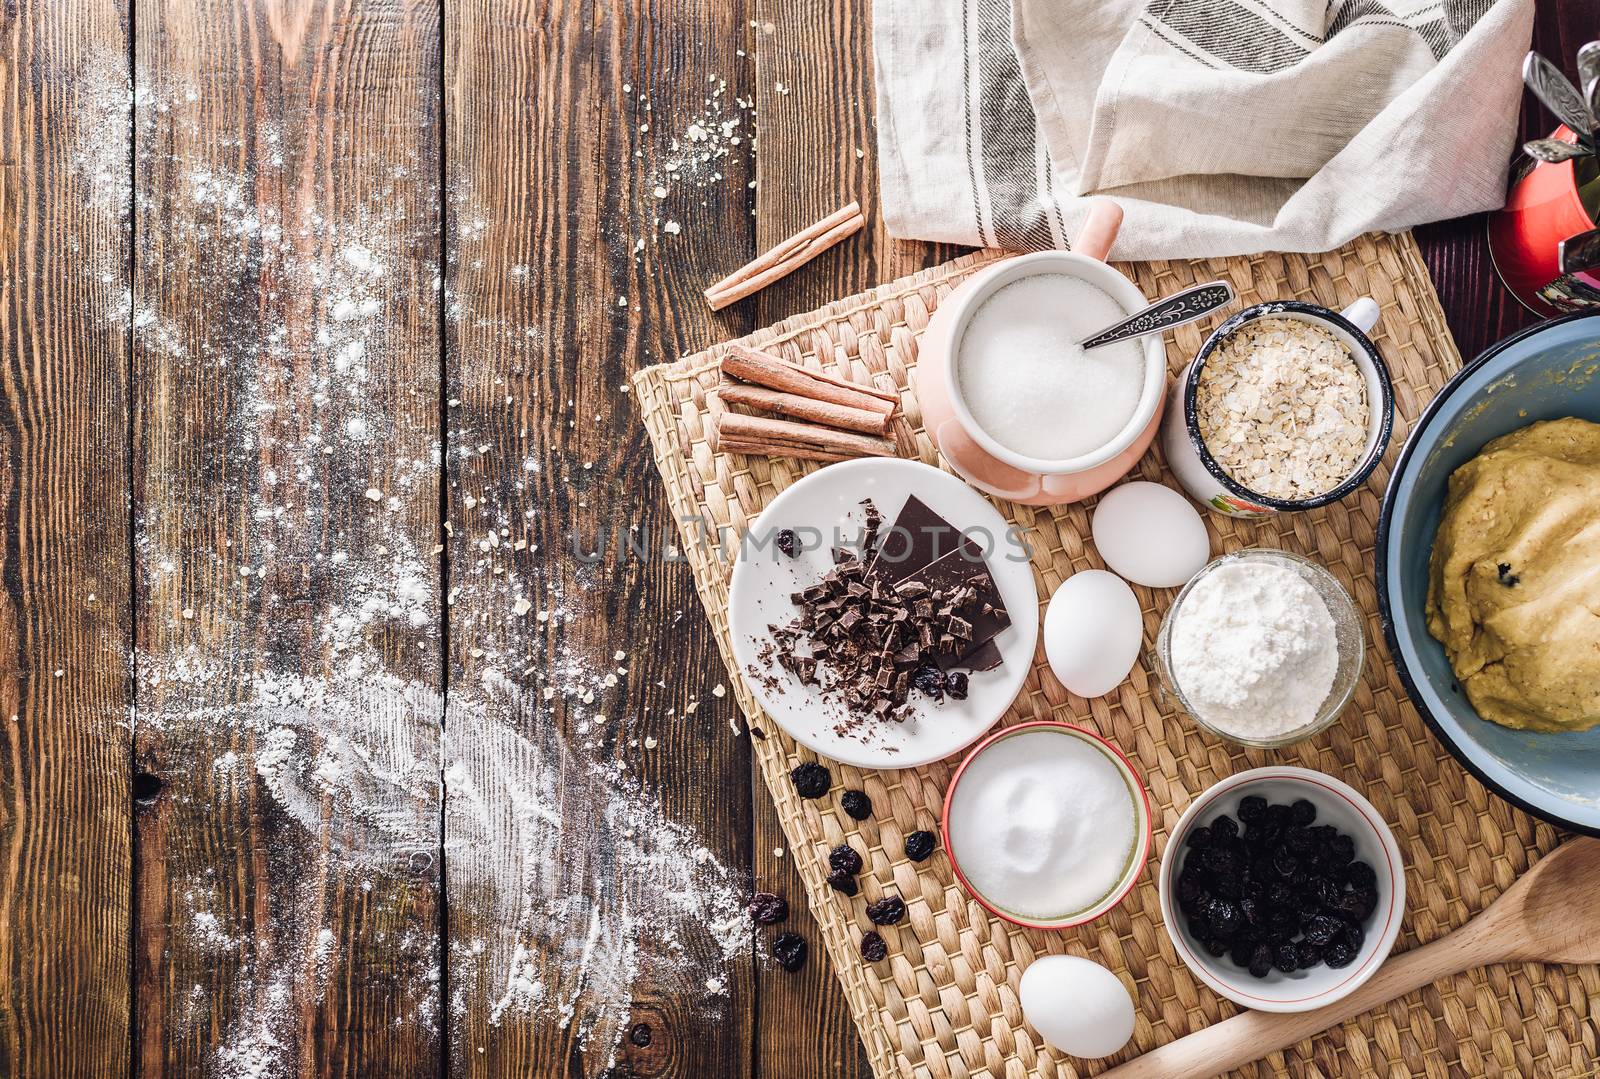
(576,256)
(814,97)
(286,355)
(65,838)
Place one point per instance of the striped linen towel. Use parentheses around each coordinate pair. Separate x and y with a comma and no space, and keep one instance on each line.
(1224,127)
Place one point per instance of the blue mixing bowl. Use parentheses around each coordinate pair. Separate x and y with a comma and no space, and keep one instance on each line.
(1543,373)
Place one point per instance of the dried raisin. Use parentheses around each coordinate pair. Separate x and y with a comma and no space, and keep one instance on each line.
(886,911)
(810,780)
(844,859)
(919,845)
(873,949)
(856,804)
(768,909)
(790,951)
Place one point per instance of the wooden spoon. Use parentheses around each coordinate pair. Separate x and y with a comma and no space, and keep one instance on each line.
(1549,916)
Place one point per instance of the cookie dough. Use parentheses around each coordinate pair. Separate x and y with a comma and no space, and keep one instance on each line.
(1514,588)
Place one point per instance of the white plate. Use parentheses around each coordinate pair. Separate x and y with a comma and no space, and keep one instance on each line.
(829,501)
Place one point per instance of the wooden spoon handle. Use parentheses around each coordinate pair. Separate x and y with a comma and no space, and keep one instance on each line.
(1251,1035)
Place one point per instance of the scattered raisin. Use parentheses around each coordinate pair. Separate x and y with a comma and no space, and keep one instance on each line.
(955,684)
(840,881)
(919,845)
(810,780)
(768,909)
(873,949)
(640,1035)
(787,542)
(790,951)
(856,804)
(886,911)
(1507,578)
(929,678)
(844,859)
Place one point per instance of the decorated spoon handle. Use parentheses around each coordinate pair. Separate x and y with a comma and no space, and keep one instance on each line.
(1174,310)
(1250,1035)
(1558,95)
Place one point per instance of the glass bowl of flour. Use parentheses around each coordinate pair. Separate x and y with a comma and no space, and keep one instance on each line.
(1262,647)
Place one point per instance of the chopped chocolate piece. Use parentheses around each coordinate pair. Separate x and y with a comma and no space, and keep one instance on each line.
(869,540)
(985,657)
(866,639)
(790,951)
(768,909)
(810,780)
(856,804)
(920,845)
(873,949)
(886,911)
(787,542)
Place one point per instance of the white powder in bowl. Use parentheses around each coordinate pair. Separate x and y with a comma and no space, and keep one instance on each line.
(1043,824)
(1254,649)
(1027,383)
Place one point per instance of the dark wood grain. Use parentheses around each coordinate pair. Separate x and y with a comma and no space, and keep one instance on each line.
(1478,308)
(286,495)
(562,118)
(65,844)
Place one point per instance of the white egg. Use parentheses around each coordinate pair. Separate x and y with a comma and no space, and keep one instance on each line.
(1077,1005)
(1150,534)
(1092,631)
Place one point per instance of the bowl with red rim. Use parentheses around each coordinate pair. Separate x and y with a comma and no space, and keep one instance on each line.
(1337,804)
(1117,886)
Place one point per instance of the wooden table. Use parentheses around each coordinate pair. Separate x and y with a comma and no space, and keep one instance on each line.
(329,324)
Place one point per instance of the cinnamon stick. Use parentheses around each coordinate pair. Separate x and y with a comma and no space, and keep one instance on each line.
(738,433)
(867,421)
(786,257)
(764,369)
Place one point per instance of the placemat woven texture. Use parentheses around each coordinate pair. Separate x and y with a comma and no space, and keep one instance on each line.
(945,1002)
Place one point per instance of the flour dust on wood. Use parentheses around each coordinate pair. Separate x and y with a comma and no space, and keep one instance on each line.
(284,669)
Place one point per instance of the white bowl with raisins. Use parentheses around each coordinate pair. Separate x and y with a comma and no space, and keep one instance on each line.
(1282,889)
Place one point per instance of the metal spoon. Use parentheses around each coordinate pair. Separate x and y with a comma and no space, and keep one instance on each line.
(1175,310)
(1553,151)
(1589,76)
(1581,252)
(1552,88)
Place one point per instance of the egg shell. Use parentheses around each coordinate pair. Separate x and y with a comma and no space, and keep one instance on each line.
(1076,1005)
(1092,632)
(1150,534)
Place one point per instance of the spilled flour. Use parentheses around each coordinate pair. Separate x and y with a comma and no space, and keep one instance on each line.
(269,680)
(594,889)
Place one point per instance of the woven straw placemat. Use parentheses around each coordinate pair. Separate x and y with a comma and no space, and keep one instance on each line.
(945,1002)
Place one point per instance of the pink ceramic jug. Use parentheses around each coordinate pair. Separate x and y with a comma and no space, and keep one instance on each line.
(972,452)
